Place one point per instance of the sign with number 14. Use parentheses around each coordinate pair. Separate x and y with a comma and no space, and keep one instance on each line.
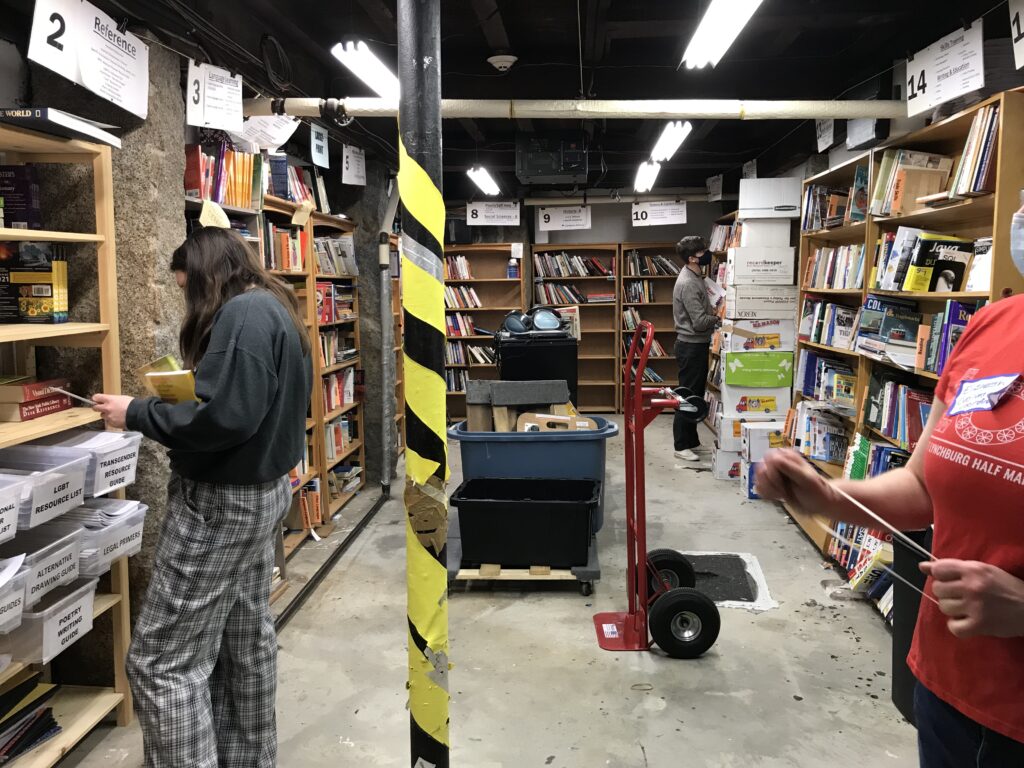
(1017,31)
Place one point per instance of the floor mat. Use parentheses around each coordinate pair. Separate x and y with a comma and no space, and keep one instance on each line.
(731,579)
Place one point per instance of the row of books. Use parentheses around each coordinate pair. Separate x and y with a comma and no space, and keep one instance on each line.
(335,302)
(725,236)
(906,179)
(457,268)
(817,432)
(915,260)
(455,353)
(336,255)
(827,207)
(657,350)
(339,389)
(336,346)
(27,713)
(650,376)
(33,283)
(636,264)
(223,175)
(839,267)
(564,265)
(455,378)
(284,247)
(459,324)
(823,322)
(344,478)
(307,508)
(304,466)
(630,319)
(297,184)
(976,170)
(896,408)
(481,355)
(638,291)
(560,293)
(461,297)
(461,353)
(19,192)
(339,435)
(827,380)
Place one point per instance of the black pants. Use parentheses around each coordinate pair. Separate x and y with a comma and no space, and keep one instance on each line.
(948,739)
(693,374)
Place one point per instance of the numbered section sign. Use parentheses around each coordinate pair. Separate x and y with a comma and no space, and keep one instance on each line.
(213,98)
(658,213)
(78,41)
(563,217)
(492,214)
(353,166)
(947,68)
(1017,31)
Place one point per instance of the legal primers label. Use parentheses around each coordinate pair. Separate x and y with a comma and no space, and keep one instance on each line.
(124,542)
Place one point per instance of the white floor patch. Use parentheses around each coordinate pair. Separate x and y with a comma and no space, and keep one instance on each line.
(764,600)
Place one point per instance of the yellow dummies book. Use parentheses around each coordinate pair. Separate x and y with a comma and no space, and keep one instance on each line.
(165,379)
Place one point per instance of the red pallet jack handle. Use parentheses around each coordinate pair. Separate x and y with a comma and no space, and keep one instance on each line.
(628,631)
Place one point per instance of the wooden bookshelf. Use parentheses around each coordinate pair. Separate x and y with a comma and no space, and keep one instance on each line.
(599,362)
(499,295)
(714,354)
(77,709)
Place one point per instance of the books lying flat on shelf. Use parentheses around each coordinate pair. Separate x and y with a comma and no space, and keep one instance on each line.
(56,122)
(224,175)
(975,173)
(480,354)
(564,265)
(21,389)
(460,324)
(457,268)
(461,297)
(835,267)
(336,256)
(164,378)
(833,325)
(895,160)
(26,720)
(33,409)
(637,265)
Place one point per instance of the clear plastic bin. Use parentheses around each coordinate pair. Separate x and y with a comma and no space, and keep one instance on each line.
(51,557)
(54,484)
(55,624)
(12,602)
(102,546)
(11,489)
(113,456)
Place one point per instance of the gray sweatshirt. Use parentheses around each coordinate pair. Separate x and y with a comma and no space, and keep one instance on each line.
(691,309)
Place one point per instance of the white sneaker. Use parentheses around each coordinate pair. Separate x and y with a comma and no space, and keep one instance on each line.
(687,455)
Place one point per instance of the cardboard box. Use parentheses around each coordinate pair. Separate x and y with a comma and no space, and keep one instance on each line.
(748,470)
(761,266)
(744,401)
(762,302)
(753,335)
(725,465)
(761,437)
(777,198)
(758,369)
(766,232)
(730,428)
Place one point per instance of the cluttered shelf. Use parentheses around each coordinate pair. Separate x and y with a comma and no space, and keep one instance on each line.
(339,366)
(973,210)
(78,710)
(933,295)
(12,433)
(352,448)
(851,231)
(827,348)
(341,411)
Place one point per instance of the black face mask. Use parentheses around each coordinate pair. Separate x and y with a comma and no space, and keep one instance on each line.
(704,260)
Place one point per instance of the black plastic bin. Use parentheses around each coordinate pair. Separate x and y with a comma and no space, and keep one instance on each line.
(522,522)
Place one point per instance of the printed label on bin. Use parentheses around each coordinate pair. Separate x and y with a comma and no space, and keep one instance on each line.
(60,568)
(11,606)
(116,469)
(737,428)
(62,630)
(55,496)
(129,538)
(9,516)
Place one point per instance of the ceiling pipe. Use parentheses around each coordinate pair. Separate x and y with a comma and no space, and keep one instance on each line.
(592,109)
(695,195)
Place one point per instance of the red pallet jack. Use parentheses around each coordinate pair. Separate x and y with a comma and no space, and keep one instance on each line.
(663,604)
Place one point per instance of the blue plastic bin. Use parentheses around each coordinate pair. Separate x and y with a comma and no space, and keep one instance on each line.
(577,455)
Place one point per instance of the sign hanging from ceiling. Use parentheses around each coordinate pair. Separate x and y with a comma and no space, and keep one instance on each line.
(714,188)
(213,98)
(353,166)
(268,132)
(656,214)
(318,151)
(825,130)
(750,169)
(947,68)
(563,217)
(80,42)
(1017,31)
(492,214)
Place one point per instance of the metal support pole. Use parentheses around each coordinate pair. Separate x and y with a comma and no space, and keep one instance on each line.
(426,503)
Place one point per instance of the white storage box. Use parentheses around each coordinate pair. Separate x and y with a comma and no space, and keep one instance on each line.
(113,456)
(760,266)
(54,484)
(725,465)
(55,624)
(11,490)
(760,438)
(765,232)
(51,557)
(12,602)
(748,471)
(729,428)
(760,302)
(759,335)
(777,198)
(101,546)
(744,401)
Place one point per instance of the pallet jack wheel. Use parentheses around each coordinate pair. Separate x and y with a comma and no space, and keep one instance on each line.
(673,567)
(586,588)
(684,623)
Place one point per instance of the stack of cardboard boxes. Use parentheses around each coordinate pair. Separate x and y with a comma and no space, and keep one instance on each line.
(758,333)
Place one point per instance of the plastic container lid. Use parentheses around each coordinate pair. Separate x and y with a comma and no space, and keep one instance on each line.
(53,485)
(605,429)
(51,557)
(59,620)
(12,601)
(113,456)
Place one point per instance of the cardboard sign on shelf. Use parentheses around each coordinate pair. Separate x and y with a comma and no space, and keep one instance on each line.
(549,422)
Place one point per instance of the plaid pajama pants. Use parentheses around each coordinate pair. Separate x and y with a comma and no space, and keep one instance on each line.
(203,658)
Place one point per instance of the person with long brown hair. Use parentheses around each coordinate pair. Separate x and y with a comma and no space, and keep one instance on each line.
(203,659)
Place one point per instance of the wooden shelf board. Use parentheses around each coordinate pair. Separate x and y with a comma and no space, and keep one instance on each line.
(399,416)
(912,371)
(231,210)
(278,592)
(456,393)
(344,321)
(28,142)
(470,338)
(47,236)
(11,671)
(484,365)
(597,357)
(306,478)
(352,448)
(481,309)
(12,433)
(320,219)
(588,305)
(834,291)
(327,276)
(339,366)
(809,525)
(481,279)
(451,365)
(973,210)
(103,602)
(78,710)
(933,295)
(515,574)
(310,423)
(832,470)
(882,436)
(650,277)
(604,278)
(852,231)
(274,204)
(596,383)
(647,303)
(292,541)
(834,350)
(30,331)
(844,172)
(332,415)
(712,385)
(333,507)
(287,273)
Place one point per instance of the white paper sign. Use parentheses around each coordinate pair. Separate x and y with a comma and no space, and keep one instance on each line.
(318,146)
(947,68)
(714,188)
(213,98)
(563,217)
(1017,31)
(517,253)
(68,625)
(750,169)
(52,571)
(825,131)
(80,42)
(981,394)
(658,213)
(492,214)
(55,496)
(268,132)
(353,168)
(860,132)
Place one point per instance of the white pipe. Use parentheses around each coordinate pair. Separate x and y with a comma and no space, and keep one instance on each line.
(583,109)
(623,199)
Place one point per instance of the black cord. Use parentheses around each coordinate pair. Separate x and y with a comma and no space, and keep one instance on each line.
(281,76)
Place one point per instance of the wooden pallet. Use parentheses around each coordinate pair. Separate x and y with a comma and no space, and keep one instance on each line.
(497,573)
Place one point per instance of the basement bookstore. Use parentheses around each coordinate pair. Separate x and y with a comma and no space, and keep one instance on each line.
(502,384)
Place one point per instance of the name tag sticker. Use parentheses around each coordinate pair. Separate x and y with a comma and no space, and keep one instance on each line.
(981,394)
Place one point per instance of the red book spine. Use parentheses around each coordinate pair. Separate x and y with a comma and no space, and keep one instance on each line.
(43,406)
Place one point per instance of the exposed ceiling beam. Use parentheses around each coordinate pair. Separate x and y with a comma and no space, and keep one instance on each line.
(491,24)
(382,16)
(471,127)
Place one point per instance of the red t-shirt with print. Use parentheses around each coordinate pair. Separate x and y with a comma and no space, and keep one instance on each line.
(974,473)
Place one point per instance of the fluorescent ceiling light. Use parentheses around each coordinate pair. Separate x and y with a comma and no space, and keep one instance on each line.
(646,175)
(672,137)
(483,180)
(361,61)
(722,23)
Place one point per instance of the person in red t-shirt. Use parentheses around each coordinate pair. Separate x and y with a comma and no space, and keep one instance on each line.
(966,476)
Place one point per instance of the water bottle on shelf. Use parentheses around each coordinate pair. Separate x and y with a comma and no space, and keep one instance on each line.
(512,272)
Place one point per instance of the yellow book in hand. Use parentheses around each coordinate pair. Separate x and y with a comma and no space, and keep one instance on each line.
(165,379)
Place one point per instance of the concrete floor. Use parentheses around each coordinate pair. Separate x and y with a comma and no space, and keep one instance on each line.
(800,686)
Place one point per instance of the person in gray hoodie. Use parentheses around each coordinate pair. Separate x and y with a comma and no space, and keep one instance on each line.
(695,321)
